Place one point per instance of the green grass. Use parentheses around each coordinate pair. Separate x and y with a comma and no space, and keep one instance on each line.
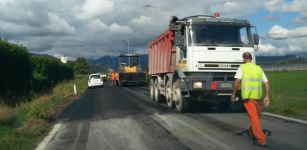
(288,93)
(26,124)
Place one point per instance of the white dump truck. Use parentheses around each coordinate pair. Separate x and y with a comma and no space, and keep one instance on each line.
(196,59)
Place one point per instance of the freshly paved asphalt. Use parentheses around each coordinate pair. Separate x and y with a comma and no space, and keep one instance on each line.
(124,118)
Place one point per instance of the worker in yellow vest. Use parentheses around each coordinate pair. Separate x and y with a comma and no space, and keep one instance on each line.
(250,77)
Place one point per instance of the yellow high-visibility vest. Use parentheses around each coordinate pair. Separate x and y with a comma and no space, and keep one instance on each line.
(251,81)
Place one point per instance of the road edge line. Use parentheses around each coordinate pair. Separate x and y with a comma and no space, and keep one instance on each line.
(42,145)
(285,118)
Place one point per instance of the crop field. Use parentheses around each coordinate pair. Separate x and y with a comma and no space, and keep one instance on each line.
(288,93)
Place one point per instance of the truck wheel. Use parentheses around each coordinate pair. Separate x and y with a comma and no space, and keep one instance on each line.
(158,96)
(152,89)
(169,95)
(182,104)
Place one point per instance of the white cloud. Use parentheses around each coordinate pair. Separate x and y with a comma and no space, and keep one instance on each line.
(77,52)
(141,21)
(274,5)
(94,8)
(92,28)
(295,6)
(278,32)
(294,48)
(284,41)
(96,26)
(269,49)
(14,29)
(55,26)
(231,6)
(116,28)
(278,48)
(237,8)
(283,6)
(58,25)
(265,48)
(298,6)
(283,46)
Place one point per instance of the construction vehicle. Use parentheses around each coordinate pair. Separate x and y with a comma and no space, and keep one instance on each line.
(196,59)
(130,72)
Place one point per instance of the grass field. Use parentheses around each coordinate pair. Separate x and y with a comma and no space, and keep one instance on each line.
(26,124)
(288,93)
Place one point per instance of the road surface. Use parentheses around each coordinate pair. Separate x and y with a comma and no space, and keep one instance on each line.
(124,118)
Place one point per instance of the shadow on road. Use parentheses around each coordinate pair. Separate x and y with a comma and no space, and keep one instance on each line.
(205,107)
(197,107)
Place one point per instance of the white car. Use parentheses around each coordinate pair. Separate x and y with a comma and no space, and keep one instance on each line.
(103,76)
(95,80)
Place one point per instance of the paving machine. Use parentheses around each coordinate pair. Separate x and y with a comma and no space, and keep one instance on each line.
(130,72)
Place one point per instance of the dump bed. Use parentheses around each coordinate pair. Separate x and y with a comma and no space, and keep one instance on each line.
(161,54)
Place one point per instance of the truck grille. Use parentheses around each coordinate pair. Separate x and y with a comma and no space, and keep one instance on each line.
(218,65)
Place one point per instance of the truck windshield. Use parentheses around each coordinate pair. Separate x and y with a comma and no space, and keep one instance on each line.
(220,35)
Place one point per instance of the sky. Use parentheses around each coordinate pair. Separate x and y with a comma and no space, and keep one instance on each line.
(95,28)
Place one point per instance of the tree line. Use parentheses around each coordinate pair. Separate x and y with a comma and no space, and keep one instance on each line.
(23,75)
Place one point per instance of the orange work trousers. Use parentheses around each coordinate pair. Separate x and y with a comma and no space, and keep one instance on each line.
(253,108)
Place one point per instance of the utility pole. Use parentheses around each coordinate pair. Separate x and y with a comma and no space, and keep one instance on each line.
(113,63)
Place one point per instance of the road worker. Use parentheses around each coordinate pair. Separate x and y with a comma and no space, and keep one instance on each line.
(250,78)
(117,79)
(113,78)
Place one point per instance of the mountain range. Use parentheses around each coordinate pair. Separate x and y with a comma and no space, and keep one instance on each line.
(111,62)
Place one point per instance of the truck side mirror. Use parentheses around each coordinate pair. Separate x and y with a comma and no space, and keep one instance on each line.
(256,39)
(172,23)
(179,40)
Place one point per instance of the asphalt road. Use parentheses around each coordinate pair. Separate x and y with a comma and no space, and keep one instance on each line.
(124,118)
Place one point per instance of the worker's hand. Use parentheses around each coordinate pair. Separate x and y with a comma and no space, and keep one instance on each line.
(266,101)
(233,98)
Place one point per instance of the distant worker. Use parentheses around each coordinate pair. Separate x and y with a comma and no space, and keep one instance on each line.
(251,77)
(102,77)
(113,78)
(117,79)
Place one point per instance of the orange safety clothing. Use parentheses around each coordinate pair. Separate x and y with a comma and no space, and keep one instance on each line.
(116,76)
(253,108)
(113,76)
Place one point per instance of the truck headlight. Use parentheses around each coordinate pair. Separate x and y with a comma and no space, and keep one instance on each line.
(197,85)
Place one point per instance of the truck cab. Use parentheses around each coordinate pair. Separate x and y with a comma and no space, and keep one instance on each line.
(212,44)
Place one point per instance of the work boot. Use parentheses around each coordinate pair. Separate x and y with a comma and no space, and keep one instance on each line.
(250,134)
(256,143)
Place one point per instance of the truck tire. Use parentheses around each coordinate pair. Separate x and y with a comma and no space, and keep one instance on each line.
(169,95)
(152,89)
(158,96)
(182,104)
